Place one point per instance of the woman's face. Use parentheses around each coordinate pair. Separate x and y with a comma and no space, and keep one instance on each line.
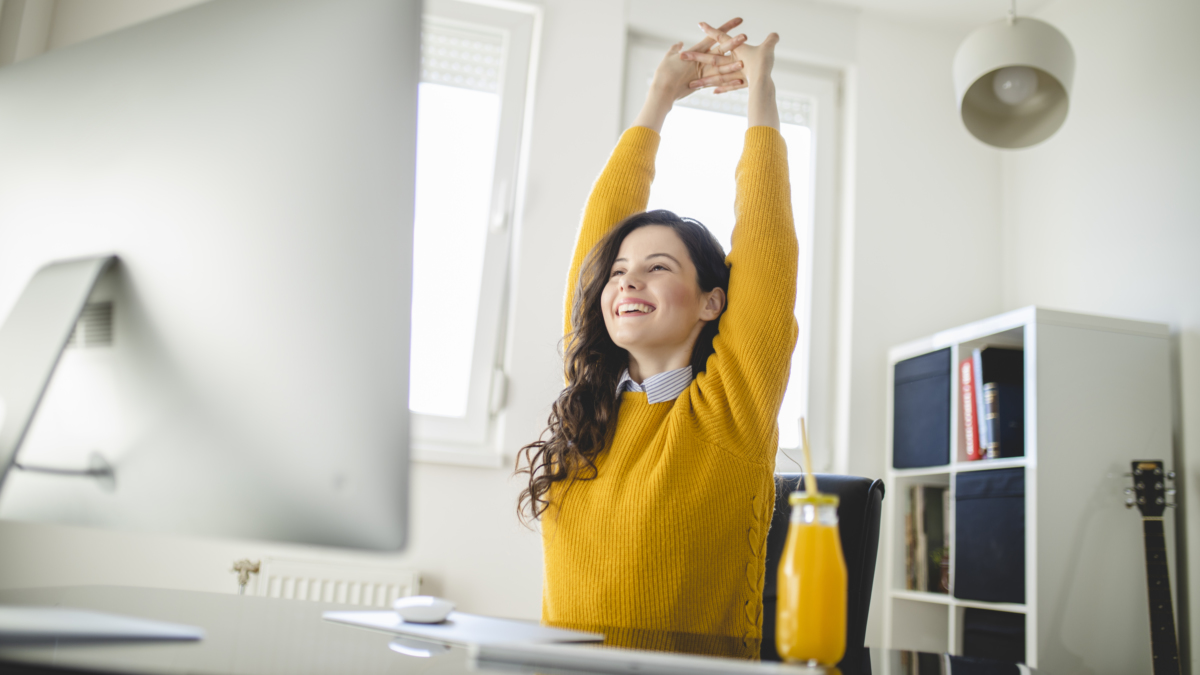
(652,302)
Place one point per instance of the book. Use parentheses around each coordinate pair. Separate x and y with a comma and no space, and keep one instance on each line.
(910,544)
(966,380)
(991,420)
(980,408)
(1006,419)
(949,588)
(922,563)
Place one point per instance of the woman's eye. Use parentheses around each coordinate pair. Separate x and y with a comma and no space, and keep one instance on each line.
(616,273)
(657,267)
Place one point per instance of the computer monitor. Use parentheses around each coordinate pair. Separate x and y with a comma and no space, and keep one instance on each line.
(242,366)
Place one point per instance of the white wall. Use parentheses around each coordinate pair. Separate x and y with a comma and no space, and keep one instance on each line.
(927,196)
(926,241)
(1105,216)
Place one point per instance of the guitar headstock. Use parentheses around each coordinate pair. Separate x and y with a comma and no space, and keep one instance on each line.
(1149,492)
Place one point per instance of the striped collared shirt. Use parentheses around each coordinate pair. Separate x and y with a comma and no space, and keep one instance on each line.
(661,387)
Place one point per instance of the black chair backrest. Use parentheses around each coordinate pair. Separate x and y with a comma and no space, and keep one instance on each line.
(859,501)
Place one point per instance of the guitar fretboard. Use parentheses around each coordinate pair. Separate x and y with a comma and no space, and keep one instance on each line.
(1163,646)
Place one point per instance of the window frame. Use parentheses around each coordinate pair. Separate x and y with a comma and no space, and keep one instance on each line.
(471,439)
(823,280)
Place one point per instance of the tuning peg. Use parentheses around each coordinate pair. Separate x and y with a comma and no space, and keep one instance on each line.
(1129,502)
(1172,491)
(1170,475)
(1128,491)
(1171,506)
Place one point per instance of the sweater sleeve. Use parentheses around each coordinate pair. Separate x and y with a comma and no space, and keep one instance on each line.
(740,392)
(622,190)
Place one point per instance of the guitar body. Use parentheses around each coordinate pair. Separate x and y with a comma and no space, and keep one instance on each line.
(1149,487)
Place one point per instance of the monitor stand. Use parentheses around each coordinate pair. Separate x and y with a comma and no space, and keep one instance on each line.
(32,339)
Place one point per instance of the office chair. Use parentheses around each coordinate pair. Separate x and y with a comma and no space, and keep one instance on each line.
(859,501)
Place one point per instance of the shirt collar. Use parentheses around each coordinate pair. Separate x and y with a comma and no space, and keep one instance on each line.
(661,387)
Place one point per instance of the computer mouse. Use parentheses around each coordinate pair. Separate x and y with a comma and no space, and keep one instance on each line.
(423,608)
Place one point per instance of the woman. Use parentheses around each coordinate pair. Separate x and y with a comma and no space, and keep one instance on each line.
(655,487)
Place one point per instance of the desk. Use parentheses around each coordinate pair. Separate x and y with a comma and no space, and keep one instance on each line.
(248,635)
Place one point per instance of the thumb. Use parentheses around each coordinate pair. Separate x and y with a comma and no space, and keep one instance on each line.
(771,40)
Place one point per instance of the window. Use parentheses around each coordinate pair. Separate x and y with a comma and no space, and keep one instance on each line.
(696,179)
(474,78)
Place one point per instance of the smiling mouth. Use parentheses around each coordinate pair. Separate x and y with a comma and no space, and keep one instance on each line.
(634,309)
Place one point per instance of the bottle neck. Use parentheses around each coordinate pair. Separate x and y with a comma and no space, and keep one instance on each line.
(814,514)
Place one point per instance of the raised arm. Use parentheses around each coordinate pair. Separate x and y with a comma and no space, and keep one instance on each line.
(623,188)
(748,373)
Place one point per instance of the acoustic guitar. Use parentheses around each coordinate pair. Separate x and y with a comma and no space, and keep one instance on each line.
(1149,494)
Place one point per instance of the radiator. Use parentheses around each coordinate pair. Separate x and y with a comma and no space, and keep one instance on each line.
(364,585)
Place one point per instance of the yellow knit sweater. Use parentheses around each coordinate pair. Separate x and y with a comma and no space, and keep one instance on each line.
(665,548)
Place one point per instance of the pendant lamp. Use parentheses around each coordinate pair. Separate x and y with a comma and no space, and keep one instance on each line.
(1012,80)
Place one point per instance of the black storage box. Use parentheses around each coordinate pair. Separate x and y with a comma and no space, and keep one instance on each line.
(994,635)
(921,417)
(989,564)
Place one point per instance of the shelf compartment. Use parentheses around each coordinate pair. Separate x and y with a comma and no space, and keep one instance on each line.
(900,486)
(1005,341)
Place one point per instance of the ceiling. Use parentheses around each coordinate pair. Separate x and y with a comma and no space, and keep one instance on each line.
(957,14)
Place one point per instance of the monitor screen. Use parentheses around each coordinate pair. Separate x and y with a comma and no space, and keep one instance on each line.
(243,366)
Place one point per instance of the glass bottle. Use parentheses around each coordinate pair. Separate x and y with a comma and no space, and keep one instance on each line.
(811,624)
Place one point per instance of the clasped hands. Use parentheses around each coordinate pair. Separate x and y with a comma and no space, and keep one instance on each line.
(719,60)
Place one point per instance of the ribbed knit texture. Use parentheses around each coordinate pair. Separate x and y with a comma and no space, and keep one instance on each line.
(665,549)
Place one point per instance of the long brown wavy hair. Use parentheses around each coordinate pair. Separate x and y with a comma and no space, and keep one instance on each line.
(584,416)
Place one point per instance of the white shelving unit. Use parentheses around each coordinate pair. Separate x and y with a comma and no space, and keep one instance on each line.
(1097,396)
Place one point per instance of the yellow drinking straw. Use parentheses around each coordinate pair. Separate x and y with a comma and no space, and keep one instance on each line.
(810,482)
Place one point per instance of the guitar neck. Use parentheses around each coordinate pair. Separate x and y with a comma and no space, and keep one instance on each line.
(1163,646)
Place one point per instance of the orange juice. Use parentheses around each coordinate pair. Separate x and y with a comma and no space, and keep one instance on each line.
(811,625)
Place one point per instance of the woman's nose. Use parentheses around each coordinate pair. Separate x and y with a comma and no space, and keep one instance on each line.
(629,281)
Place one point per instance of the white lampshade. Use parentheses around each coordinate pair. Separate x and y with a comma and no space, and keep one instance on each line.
(995,70)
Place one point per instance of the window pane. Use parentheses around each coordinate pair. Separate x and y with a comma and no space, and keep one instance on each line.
(697,157)
(456,155)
